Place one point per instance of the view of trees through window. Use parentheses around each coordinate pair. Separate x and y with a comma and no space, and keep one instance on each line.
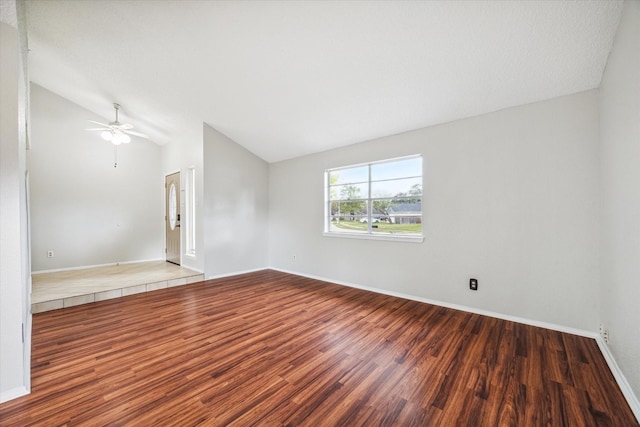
(376,198)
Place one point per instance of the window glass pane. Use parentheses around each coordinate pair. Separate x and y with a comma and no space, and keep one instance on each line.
(348,210)
(190,208)
(397,216)
(397,188)
(349,192)
(173,207)
(349,217)
(349,175)
(396,169)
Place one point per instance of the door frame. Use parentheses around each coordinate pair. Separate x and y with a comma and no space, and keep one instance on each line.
(166,214)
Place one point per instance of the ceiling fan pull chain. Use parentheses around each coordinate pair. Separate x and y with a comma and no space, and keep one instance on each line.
(115,156)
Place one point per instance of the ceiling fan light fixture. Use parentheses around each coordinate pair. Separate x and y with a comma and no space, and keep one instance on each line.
(106,135)
(115,132)
(120,138)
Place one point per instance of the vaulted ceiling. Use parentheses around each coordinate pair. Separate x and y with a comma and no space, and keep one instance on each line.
(285,78)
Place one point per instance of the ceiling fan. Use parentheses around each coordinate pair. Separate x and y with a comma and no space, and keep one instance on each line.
(115,132)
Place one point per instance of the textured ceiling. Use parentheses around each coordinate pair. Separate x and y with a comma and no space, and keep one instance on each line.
(288,78)
(8,13)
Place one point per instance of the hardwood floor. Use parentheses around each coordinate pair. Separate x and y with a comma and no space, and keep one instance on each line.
(270,348)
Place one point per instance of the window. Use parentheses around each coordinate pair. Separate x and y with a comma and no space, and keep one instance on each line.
(381,199)
(190,211)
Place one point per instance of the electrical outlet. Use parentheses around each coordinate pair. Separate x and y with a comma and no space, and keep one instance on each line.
(294,257)
(604,333)
(49,254)
(473,284)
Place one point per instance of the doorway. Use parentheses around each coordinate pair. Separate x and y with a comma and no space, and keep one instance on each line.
(172,217)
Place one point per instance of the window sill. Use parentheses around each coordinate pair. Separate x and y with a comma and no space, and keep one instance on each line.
(409,239)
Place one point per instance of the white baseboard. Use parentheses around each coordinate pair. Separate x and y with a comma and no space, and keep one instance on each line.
(14,393)
(188,267)
(237,273)
(628,393)
(546,325)
(82,267)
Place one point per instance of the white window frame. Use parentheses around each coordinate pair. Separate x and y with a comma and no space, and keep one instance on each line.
(190,212)
(415,238)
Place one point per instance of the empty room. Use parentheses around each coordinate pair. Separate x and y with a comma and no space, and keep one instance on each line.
(319,213)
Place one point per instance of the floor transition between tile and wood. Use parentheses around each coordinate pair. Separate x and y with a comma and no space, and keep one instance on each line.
(62,289)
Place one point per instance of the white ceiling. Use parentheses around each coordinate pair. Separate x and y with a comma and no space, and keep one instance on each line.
(8,13)
(286,78)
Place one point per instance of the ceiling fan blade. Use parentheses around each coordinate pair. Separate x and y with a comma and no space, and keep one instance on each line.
(98,123)
(130,132)
(118,131)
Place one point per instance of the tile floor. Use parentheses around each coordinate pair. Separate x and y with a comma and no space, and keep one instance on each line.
(61,289)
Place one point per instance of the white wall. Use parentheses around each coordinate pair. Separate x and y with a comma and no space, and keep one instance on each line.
(14,277)
(620,160)
(82,208)
(511,198)
(236,206)
(180,156)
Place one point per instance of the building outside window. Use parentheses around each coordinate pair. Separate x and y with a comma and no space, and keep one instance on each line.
(381,199)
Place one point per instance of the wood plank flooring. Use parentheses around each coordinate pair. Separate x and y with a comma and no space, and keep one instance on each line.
(274,349)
